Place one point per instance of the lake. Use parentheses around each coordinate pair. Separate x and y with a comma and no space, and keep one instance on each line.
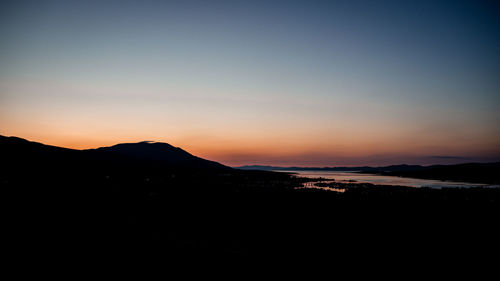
(342,176)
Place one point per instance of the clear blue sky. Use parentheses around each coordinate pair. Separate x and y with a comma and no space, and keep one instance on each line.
(258,82)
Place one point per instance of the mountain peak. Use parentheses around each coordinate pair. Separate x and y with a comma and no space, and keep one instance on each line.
(160,152)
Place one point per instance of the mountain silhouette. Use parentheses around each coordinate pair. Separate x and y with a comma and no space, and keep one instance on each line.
(22,154)
(162,153)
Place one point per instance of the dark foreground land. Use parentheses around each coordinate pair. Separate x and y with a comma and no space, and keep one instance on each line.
(103,204)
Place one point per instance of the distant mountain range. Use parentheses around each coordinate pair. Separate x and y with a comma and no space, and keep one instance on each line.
(402,167)
(22,154)
(467,172)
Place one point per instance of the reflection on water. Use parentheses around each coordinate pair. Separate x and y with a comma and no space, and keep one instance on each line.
(314,185)
(384,180)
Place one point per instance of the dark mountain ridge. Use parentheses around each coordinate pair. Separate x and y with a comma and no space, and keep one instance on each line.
(20,151)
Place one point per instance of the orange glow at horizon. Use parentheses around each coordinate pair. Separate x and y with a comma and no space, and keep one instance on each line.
(278,150)
(305,85)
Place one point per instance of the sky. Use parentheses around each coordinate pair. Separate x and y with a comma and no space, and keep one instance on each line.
(303,83)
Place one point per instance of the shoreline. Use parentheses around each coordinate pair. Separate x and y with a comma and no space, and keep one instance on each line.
(335,185)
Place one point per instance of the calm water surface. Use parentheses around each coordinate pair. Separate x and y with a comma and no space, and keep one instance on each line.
(385,180)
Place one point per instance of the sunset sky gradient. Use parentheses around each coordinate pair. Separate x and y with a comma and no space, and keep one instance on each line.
(305,83)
